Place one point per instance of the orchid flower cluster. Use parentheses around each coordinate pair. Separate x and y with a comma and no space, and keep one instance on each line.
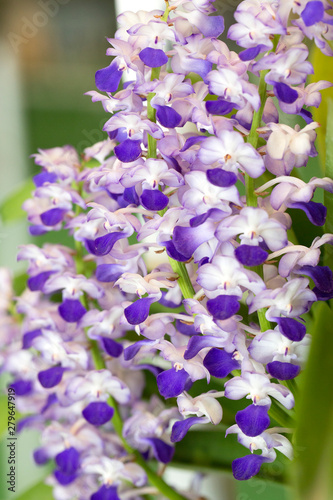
(198,171)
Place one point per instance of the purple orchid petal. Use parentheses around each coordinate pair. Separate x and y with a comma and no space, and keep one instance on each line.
(163,452)
(28,337)
(315,212)
(37,282)
(313,13)
(283,371)
(26,422)
(108,79)
(51,377)
(128,150)
(138,312)
(105,493)
(64,479)
(153,199)
(43,177)
(223,306)
(155,370)
(173,253)
(102,245)
(171,382)
(196,343)
(71,310)
(107,273)
(112,347)
(131,196)
(133,349)
(40,456)
(168,117)
(251,53)
(219,107)
(250,255)
(220,363)
(168,303)
(22,387)
(322,295)
(221,178)
(185,329)
(200,66)
(322,276)
(53,216)
(181,427)
(68,460)
(253,420)
(285,93)
(191,141)
(306,115)
(246,467)
(214,213)
(187,239)
(154,58)
(37,230)
(210,26)
(292,329)
(98,413)
(52,399)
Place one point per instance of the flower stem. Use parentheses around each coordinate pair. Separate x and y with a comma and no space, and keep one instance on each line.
(151,115)
(251,199)
(253,138)
(184,281)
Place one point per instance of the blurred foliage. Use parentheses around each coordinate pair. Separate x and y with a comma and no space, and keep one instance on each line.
(314,409)
(323,70)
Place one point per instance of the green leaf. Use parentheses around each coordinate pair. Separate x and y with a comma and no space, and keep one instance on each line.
(328,197)
(259,489)
(314,411)
(10,209)
(39,491)
(211,450)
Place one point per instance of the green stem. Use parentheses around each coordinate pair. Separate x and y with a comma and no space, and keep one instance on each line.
(166,13)
(151,115)
(184,281)
(253,138)
(251,199)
